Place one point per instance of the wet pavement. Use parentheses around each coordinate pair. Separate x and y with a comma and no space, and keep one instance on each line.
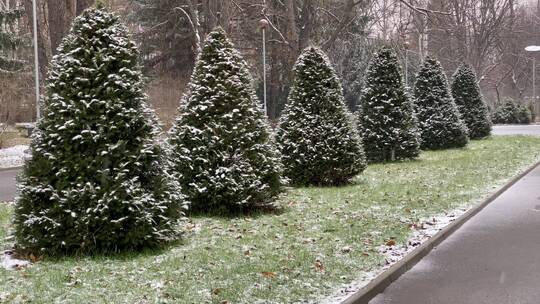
(517,130)
(7,184)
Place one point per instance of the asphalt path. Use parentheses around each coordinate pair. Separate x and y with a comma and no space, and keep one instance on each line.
(7,184)
(516,130)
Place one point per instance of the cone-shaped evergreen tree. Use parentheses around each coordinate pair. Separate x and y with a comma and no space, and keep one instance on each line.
(439,120)
(387,121)
(318,141)
(471,105)
(96,180)
(222,147)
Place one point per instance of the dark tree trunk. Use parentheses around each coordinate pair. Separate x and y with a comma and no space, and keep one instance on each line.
(57,23)
(83,4)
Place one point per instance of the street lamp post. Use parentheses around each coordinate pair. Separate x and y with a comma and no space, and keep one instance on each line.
(264,24)
(406,46)
(36,59)
(533,48)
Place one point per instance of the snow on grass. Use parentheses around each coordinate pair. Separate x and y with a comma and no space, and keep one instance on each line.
(13,156)
(393,252)
(322,240)
(8,262)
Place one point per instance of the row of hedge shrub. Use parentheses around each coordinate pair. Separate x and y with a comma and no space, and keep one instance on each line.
(101,180)
(511,112)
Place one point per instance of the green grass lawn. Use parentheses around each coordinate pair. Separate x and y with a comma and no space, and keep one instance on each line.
(291,256)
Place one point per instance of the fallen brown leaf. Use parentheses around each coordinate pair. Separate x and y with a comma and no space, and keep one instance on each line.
(391,243)
(268,274)
(34,258)
(319,265)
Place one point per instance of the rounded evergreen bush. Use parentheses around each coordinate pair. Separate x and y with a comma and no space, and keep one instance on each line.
(470,102)
(318,140)
(97,179)
(511,112)
(386,118)
(523,115)
(439,120)
(222,149)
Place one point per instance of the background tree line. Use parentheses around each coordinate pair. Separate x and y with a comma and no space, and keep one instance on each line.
(489,34)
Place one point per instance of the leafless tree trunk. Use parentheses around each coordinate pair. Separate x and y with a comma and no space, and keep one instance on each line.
(61,13)
(82,5)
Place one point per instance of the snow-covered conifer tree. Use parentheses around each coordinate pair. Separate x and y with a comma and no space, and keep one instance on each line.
(386,118)
(319,142)
(470,102)
(223,151)
(97,179)
(439,120)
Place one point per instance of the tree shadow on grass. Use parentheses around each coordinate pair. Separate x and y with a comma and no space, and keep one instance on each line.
(274,208)
(119,255)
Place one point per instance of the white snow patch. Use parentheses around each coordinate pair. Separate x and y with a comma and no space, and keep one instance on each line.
(394,254)
(8,262)
(13,157)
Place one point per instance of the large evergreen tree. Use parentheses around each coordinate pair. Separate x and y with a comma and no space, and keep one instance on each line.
(387,121)
(97,180)
(439,120)
(11,41)
(167,41)
(470,102)
(222,147)
(317,138)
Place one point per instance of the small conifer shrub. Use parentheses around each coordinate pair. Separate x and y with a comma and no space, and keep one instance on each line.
(319,143)
(510,112)
(439,120)
(222,149)
(470,102)
(98,178)
(386,118)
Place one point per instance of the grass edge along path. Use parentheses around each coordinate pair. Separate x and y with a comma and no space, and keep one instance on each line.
(322,239)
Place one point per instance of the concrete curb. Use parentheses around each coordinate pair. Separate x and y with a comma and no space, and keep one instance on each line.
(379,284)
(11,168)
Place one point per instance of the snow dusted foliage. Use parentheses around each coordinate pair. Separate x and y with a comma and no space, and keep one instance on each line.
(223,151)
(439,121)
(386,118)
(318,140)
(512,112)
(97,179)
(470,102)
